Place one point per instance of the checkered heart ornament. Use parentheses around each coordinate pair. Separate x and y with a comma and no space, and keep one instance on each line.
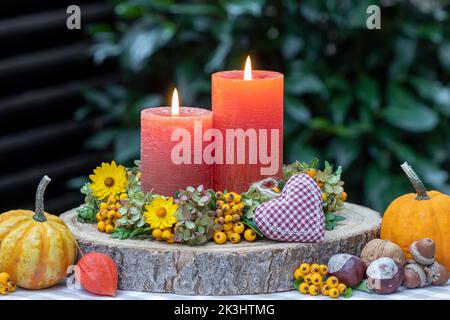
(296,215)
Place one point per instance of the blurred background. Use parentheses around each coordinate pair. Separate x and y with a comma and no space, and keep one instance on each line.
(364,99)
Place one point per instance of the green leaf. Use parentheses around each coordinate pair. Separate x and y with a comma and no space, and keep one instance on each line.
(347,293)
(129,10)
(362,286)
(141,43)
(405,50)
(340,106)
(367,91)
(186,235)
(444,55)
(136,232)
(309,83)
(97,98)
(127,145)
(102,139)
(237,7)
(219,56)
(135,218)
(297,110)
(121,233)
(249,213)
(86,214)
(251,224)
(416,118)
(345,151)
(407,113)
(190,225)
(297,283)
(377,182)
(201,239)
(310,12)
(328,188)
(430,32)
(329,217)
(292,45)
(102,51)
(435,92)
(338,218)
(196,9)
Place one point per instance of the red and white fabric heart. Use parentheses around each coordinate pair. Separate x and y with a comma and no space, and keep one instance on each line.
(296,215)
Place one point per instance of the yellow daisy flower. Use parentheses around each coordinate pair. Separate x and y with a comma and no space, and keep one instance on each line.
(159,213)
(108,180)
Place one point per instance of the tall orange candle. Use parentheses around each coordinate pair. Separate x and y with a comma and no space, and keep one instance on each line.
(161,170)
(251,101)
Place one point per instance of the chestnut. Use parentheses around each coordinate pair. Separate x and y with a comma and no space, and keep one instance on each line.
(347,268)
(384,275)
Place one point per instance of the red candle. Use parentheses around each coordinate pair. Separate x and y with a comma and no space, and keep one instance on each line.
(255,105)
(165,165)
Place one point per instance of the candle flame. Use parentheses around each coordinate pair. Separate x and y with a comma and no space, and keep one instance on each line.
(175,103)
(248,69)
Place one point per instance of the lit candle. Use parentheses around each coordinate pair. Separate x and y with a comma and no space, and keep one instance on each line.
(171,148)
(251,101)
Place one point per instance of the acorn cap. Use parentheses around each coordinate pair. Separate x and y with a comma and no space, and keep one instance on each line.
(420,273)
(433,272)
(421,252)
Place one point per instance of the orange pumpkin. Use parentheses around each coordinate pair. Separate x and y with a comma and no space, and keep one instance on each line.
(412,217)
(36,248)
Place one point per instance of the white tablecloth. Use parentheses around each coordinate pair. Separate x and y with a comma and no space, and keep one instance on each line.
(63,293)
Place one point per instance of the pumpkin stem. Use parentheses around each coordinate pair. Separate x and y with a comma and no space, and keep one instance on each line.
(416,182)
(39,214)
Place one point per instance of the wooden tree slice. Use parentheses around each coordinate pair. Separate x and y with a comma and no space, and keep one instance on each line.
(228,269)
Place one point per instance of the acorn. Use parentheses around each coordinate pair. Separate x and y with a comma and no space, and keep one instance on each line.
(422,251)
(443,277)
(415,276)
(437,274)
(411,279)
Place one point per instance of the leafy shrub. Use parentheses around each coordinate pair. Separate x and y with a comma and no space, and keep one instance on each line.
(364,99)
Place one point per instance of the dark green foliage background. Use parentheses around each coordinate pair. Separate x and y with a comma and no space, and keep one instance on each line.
(364,99)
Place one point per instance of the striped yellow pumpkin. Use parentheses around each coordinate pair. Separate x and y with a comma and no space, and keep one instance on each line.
(36,248)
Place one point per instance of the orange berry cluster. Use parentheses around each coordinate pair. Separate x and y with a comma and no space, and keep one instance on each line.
(163,235)
(108,213)
(228,223)
(314,281)
(312,174)
(7,285)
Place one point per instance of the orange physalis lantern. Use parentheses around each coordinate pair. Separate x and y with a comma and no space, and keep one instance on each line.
(97,274)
